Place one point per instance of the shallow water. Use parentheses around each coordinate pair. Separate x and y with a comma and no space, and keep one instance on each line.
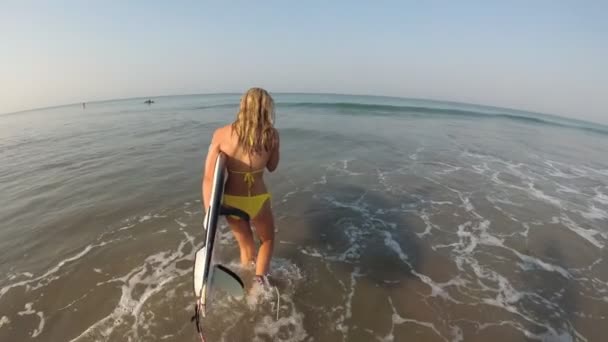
(396,220)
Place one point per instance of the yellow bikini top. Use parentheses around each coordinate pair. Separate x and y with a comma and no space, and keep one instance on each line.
(248,175)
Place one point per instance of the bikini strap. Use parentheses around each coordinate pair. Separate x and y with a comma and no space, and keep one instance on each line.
(248,178)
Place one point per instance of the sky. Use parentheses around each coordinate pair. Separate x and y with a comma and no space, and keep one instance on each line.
(543,56)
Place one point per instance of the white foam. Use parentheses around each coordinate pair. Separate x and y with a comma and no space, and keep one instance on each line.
(97,270)
(594,213)
(323,180)
(525,232)
(457,334)
(344,168)
(311,252)
(144,218)
(556,172)
(480,169)
(463,235)
(414,156)
(225,236)
(600,197)
(442,202)
(29,311)
(532,262)
(428,224)
(437,289)
(603,172)
(339,324)
(466,203)
(351,293)
(587,234)
(293,192)
(271,327)
(181,224)
(553,336)
(338,204)
(568,190)
(485,238)
(495,200)
(4,321)
(383,180)
(448,170)
(549,335)
(469,238)
(487,158)
(506,295)
(164,269)
(345,163)
(541,195)
(259,294)
(285,323)
(392,244)
(397,319)
(129,226)
(48,276)
(75,301)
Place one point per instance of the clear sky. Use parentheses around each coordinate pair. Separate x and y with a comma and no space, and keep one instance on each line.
(546,56)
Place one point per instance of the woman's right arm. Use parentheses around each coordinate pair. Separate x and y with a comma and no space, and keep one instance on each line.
(209,169)
(273,161)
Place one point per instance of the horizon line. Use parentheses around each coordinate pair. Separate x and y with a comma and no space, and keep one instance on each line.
(309,93)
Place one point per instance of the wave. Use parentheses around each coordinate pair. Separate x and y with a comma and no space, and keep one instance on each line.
(385,109)
(353,108)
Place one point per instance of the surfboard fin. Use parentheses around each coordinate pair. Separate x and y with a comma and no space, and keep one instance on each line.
(228,281)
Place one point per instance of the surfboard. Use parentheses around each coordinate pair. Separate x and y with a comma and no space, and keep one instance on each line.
(206,275)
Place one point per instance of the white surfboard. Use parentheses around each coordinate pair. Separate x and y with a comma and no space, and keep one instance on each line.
(206,275)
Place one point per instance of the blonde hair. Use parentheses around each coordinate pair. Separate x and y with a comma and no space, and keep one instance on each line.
(254,124)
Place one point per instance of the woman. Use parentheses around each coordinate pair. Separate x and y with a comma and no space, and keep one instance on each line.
(251,144)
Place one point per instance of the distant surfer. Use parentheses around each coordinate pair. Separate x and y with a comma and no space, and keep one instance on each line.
(149,101)
(251,144)
(84,105)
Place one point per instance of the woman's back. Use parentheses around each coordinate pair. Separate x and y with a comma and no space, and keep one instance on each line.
(245,170)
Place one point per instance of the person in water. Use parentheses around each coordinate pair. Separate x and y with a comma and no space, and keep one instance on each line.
(251,144)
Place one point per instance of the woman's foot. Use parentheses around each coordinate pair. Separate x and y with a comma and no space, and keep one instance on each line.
(260,291)
(261,280)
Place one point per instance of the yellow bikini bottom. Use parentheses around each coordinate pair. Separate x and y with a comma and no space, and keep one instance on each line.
(249,204)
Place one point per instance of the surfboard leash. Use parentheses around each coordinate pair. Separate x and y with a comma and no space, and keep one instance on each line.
(197,320)
(278,301)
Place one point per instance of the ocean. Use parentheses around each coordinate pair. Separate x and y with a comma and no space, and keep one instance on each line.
(397,220)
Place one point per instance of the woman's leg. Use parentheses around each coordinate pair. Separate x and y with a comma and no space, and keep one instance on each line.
(264,226)
(244,236)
